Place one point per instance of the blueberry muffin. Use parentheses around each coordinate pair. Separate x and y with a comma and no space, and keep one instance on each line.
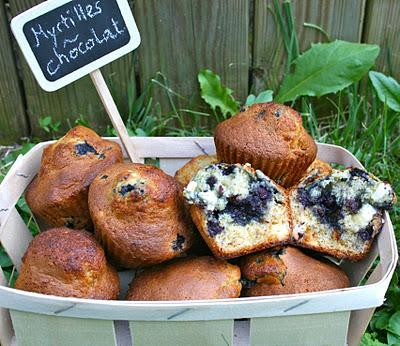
(271,138)
(340,213)
(187,279)
(67,263)
(288,270)
(186,173)
(138,215)
(58,194)
(238,210)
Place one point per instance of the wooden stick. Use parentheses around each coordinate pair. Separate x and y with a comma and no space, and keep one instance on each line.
(113,113)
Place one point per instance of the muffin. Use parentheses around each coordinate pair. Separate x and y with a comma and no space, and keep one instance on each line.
(138,215)
(67,263)
(271,138)
(187,279)
(340,213)
(287,270)
(238,210)
(318,167)
(58,194)
(186,173)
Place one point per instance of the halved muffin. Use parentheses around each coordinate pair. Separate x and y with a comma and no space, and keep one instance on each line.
(340,213)
(238,210)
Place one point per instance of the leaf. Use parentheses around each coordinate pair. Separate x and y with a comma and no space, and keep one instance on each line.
(217,95)
(394,324)
(5,260)
(327,68)
(369,340)
(380,319)
(264,96)
(393,339)
(387,88)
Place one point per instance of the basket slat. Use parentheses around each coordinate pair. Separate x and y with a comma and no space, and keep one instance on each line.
(172,333)
(306,330)
(41,330)
(170,166)
(15,237)
(6,330)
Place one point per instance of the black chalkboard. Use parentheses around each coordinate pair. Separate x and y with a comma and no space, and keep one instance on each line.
(75,34)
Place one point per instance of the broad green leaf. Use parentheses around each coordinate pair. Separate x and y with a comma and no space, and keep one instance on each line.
(393,339)
(369,340)
(327,68)
(217,95)
(264,96)
(394,324)
(387,88)
(5,261)
(380,319)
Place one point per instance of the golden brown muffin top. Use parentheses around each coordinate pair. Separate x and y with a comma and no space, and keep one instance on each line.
(77,158)
(131,188)
(287,271)
(319,167)
(138,214)
(187,172)
(70,263)
(187,279)
(268,129)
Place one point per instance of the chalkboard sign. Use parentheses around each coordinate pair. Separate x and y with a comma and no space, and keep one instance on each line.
(63,40)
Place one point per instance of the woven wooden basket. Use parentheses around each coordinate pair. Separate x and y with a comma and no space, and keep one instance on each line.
(333,317)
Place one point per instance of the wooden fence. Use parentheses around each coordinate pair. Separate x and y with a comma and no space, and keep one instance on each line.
(238,39)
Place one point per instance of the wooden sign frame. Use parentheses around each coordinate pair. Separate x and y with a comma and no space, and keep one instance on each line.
(17,25)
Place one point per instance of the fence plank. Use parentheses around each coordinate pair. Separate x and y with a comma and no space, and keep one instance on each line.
(79,98)
(339,18)
(382,27)
(179,37)
(13,123)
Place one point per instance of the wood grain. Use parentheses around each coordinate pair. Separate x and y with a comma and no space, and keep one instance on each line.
(341,19)
(180,37)
(382,26)
(13,123)
(78,98)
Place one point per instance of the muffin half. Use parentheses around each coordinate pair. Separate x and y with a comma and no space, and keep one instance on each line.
(340,213)
(238,210)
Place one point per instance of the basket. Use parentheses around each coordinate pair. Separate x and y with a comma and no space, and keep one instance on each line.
(333,317)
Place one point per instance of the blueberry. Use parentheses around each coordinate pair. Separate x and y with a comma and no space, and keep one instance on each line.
(356,172)
(84,148)
(278,113)
(214,227)
(365,234)
(248,283)
(353,205)
(126,189)
(103,177)
(177,244)
(228,169)
(211,181)
(263,192)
